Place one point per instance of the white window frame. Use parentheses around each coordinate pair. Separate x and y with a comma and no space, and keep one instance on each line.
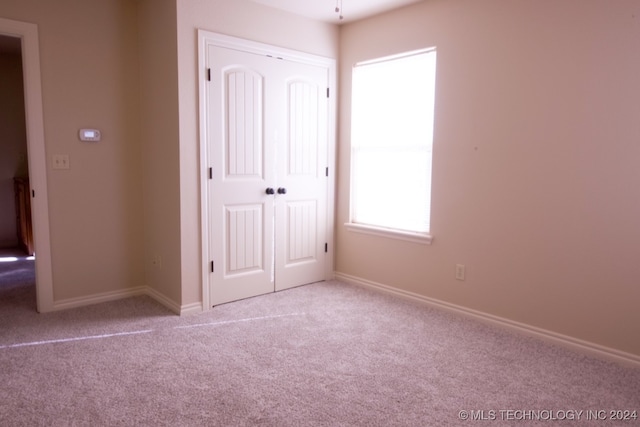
(352,225)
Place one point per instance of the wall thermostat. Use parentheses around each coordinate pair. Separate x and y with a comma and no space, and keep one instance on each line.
(90,135)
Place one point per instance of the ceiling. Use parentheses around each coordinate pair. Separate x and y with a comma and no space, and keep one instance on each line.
(321,10)
(324,10)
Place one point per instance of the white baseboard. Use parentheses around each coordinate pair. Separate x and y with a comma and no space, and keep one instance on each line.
(127,293)
(564,340)
(98,298)
(189,309)
(162,299)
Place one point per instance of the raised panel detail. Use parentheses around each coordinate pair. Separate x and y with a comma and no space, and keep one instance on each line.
(303,128)
(302,231)
(245,238)
(244,132)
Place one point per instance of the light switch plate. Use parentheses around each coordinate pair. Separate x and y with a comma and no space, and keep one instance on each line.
(61,161)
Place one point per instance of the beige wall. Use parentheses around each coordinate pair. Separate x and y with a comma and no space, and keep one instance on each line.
(89,68)
(13,143)
(134,197)
(239,18)
(159,137)
(535,168)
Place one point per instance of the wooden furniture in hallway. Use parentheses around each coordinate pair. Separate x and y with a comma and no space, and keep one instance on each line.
(23,214)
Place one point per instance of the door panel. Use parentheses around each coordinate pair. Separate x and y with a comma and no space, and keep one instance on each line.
(244,240)
(301,212)
(302,225)
(303,128)
(240,212)
(243,131)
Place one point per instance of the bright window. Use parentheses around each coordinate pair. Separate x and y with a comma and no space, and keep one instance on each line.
(391,142)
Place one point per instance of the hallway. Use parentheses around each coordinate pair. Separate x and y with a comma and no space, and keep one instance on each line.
(17,281)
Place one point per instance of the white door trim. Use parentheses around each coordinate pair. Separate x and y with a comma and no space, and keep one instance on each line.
(207,38)
(28,33)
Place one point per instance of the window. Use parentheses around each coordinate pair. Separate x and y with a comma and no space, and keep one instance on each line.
(391,144)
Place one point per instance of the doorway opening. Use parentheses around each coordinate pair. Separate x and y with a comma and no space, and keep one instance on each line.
(17,269)
(25,168)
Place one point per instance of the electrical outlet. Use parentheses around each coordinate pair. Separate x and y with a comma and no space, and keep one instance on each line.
(460,271)
(61,161)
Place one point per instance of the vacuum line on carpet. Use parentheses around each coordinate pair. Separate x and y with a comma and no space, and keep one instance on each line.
(146,331)
(249,319)
(90,337)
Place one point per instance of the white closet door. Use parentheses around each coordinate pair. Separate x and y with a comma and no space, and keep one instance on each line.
(267,144)
(302,161)
(242,168)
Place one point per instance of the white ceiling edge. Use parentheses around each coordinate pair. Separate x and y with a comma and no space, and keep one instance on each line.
(324,10)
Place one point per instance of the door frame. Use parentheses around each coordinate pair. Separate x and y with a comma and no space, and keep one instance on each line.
(36,155)
(208,38)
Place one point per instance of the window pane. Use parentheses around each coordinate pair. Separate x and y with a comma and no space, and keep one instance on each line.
(392,133)
(397,189)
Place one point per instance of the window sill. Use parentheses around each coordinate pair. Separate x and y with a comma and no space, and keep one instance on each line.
(422,238)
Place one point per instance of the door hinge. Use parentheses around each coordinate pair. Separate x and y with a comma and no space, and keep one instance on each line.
(327,92)
(210,173)
(212,266)
(33,194)
(326,171)
(208,74)
(326,247)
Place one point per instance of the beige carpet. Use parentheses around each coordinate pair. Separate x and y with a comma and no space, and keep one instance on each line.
(326,354)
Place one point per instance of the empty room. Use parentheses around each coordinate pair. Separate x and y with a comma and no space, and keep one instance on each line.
(331,212)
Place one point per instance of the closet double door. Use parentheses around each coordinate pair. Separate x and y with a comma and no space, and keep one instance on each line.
(267,187)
